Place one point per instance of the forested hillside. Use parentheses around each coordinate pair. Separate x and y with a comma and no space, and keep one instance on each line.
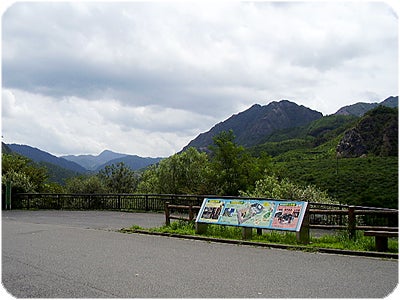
(315,155)
(376,134)
(368,181)
(306,138)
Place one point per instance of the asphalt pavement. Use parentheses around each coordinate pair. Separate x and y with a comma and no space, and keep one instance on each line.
(75,254)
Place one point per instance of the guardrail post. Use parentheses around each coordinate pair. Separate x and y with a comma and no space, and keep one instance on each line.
(166,208)
(191,214)
(351,226)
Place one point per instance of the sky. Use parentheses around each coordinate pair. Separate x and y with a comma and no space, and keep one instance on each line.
(146,78)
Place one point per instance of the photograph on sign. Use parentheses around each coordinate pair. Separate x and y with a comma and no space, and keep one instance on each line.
(286,216)
(211,211)
(247,213)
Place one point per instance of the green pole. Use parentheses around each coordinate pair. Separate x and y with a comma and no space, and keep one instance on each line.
(8,194)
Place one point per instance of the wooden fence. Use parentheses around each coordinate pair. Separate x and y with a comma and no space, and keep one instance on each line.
(360,218)
(191,210)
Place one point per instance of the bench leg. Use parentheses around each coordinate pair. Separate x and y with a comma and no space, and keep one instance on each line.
(381,243)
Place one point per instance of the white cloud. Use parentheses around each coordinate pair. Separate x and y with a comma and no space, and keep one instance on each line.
(150,76)
(75,125)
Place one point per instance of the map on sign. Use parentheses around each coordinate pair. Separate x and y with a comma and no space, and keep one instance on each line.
(269,214)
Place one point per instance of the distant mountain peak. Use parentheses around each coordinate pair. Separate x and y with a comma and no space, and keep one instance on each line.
(360,108)
(92,162)
(108,152)
(254,124)
(108,157)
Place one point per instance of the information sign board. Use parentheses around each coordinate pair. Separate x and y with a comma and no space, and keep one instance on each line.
(268,214)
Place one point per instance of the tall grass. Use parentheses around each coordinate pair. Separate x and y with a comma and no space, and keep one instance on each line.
(338,240)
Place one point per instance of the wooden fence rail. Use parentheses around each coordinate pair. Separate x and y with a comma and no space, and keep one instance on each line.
(352,212)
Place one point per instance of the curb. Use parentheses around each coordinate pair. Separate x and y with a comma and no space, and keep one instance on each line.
(268,245)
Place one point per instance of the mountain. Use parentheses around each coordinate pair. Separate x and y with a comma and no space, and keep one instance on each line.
(5,149)
(306,138)
(62,168)
(107,157)
(133,161)
(92,162)
(254,125)
(40,156)
(391,102)
(360,108)
(375,133)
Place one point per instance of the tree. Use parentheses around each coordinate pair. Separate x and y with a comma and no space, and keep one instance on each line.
(118,178)
(182,173)
(25,175)
(86,185)
(149,182)
(233,168)
(194,172)
(228,170)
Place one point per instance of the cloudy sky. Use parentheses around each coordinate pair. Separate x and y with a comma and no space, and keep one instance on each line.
(145,78)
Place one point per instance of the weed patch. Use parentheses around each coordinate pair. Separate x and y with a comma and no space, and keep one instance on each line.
(338,240)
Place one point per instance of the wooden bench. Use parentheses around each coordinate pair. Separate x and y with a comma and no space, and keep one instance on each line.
(381,238)
(192,209)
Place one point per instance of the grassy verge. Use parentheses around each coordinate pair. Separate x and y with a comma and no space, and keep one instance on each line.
(339,240)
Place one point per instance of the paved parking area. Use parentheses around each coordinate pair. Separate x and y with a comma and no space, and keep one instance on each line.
(78,254)
(96,219)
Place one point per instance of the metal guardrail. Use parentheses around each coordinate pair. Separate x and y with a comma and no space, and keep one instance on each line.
(142,202)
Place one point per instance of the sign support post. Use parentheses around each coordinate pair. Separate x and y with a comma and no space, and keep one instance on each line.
(247,233)
(8,194)
(303,236)
(201,228)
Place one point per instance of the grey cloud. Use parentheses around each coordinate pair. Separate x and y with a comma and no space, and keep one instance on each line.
(198,62)
(152,50)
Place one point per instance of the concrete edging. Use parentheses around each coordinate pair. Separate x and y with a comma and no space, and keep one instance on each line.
(270,245)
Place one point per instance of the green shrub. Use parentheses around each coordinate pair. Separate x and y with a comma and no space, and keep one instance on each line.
(272,187)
